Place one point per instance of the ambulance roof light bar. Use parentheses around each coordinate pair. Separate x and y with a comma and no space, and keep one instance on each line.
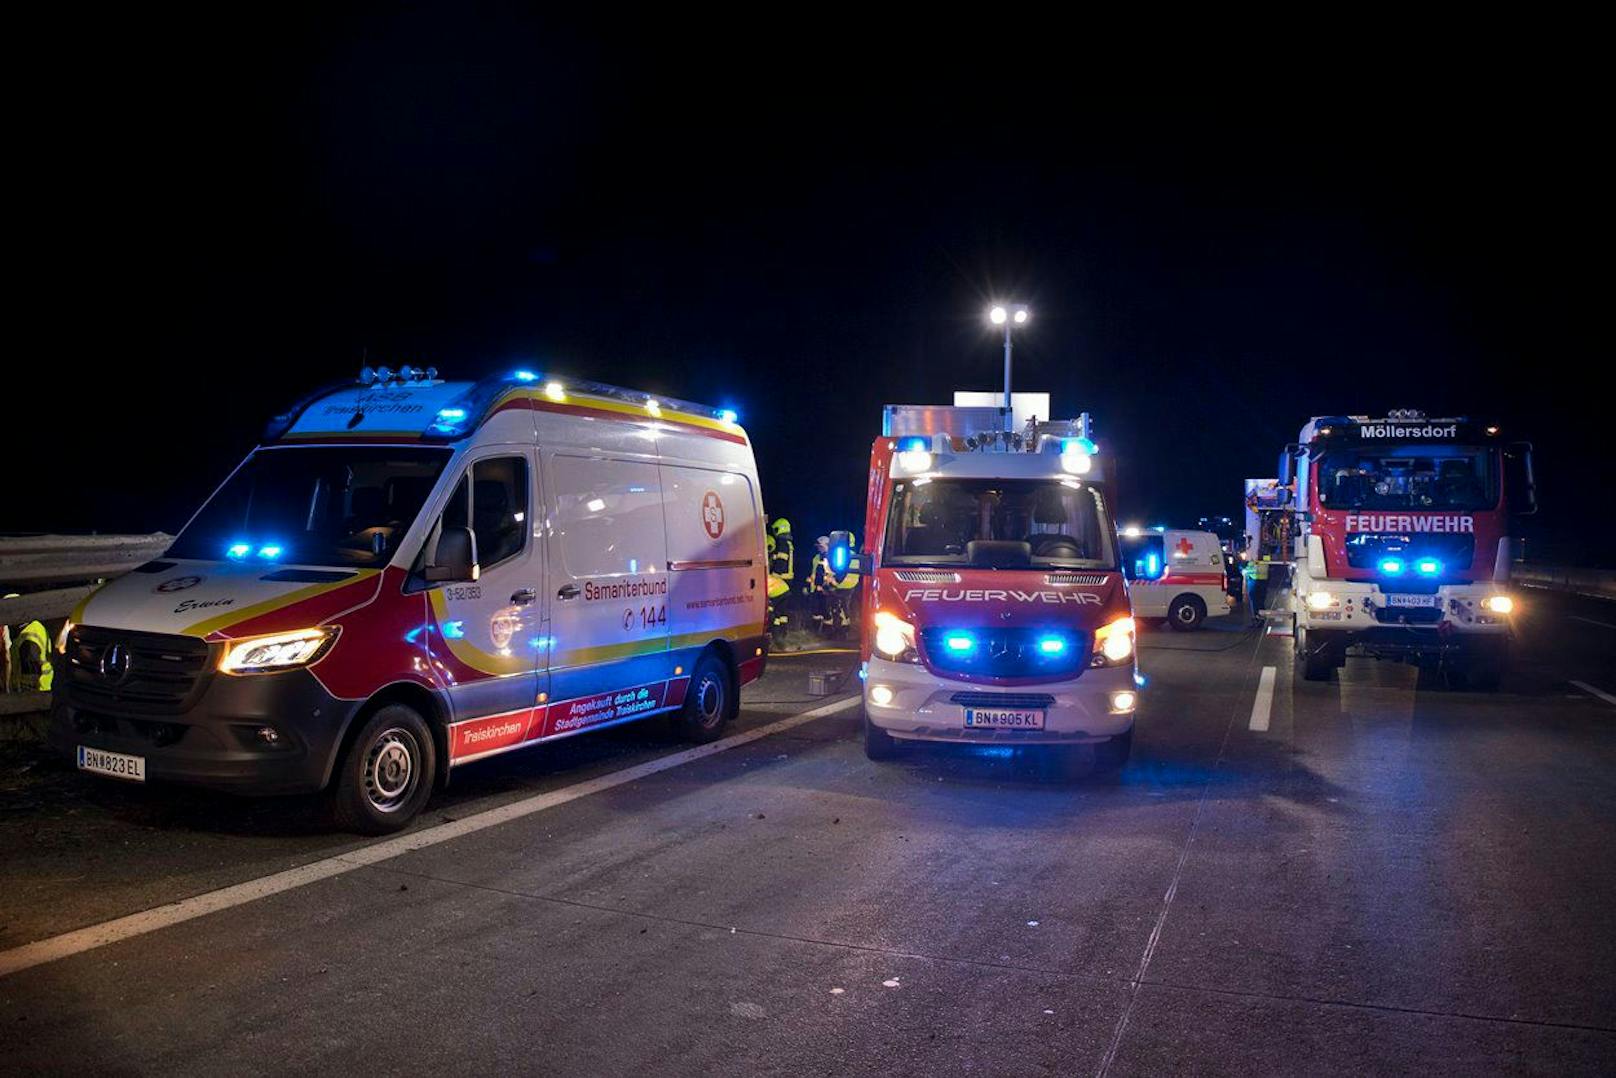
(383,375)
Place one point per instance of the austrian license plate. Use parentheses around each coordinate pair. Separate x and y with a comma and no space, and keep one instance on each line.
(117,764)
(997,719)
(1421,601)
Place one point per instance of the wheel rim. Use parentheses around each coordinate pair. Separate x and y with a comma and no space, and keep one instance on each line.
(710,701)
(391,769)
(1186,614)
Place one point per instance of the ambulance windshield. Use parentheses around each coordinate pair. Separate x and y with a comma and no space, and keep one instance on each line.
(1408,477)
(341,506)
(999,524)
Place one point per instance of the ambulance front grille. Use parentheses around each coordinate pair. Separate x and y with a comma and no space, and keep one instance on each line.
(120,670)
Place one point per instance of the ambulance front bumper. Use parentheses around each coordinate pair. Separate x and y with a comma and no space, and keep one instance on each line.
(925,707)
(219,740)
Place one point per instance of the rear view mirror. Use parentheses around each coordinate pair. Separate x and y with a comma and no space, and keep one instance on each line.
(455,559)
(1287,465)
(1520,485)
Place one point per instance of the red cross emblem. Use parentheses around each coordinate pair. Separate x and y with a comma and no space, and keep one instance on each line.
(1184,547)
(712,514)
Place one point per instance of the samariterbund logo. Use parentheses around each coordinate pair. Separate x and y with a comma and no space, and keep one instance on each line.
(712,514)
(1398,430)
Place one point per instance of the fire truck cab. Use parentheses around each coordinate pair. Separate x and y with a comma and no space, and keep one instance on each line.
(1402,546)
(995,609)
(410,574)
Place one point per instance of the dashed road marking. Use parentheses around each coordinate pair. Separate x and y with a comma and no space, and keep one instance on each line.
(1602,694)
(138,924)
(1591,621)
(1263,705)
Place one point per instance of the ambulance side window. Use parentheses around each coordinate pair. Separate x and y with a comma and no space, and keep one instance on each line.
(491,499)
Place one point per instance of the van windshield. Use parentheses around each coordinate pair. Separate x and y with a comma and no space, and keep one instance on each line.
(999,524)
(340,506)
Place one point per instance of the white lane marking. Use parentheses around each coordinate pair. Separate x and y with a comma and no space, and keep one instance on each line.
(1602,694)
(138,924)
(1591,621)
(1263,705)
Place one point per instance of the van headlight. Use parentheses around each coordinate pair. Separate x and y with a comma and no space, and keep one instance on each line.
(894,637)
(1320,600)
(1500,604)
(278,651)
(1113,643)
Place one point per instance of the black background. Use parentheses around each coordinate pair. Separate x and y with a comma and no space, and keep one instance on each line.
(1221,230)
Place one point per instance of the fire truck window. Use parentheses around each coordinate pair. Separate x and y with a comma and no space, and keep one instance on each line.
(1412,477)
(1062,524)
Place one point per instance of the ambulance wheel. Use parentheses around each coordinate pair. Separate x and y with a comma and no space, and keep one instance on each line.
(878,744)
(707,702)
(1113,755)
(385,777)
(1187,613)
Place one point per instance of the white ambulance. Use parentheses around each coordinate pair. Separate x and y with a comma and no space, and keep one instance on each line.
(1175,575)
(410,574)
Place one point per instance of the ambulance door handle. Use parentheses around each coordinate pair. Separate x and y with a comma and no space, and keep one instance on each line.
(523,596)
(568,591)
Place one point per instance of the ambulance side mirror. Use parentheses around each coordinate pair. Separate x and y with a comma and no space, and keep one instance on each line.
(1287,464)
(455,559)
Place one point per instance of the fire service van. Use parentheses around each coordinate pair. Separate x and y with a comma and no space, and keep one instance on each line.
(1175,575)
(1402,547)
(410,574)
(995,610)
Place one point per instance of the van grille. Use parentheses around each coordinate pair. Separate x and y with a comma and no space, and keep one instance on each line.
(1087,580)
(123,670)
(928,576)
(1017,701)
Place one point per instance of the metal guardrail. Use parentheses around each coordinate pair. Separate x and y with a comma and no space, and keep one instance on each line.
(1594,583)
(76,563)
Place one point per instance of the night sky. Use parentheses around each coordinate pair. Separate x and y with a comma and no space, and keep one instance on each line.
(807,221)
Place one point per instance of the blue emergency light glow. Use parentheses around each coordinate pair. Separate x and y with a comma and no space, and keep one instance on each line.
(729,415)
(1428,566)
(1052,645)
(454,630)
(1152,566)
(959,643)
(525,376)
(838,558)
(449,420)
(1392,566)
(269,552)
(912,445)
(237,551)
(1083,445)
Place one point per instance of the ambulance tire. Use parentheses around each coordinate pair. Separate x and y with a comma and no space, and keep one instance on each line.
(878,744)
(1187,613)
(385,777)
(708,701)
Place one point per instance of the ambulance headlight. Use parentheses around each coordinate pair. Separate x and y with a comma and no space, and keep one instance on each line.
(1320,600)
(1113,642)
(1076,461)
(278,651)
(1500,604)
(894,637)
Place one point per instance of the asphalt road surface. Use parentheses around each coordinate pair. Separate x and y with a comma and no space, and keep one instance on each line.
(1389,878)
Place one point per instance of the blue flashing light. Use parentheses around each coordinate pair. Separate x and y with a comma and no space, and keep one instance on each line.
(959,643)
(729,415)
(238,551)
(1085,445)
(1152,566)
(1140,680)
(838,558)
(449,420)
(917,444)
(1428,566)
(1391,566)
(1052,645)
(454,630)
(270,551)
(524,376)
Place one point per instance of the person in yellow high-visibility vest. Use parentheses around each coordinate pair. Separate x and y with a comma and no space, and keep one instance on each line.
(30,660)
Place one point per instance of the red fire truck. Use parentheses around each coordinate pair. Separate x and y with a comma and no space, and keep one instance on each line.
(995,609)
(1402,544)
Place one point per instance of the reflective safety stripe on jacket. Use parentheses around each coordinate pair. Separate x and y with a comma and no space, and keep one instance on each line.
(30,659)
